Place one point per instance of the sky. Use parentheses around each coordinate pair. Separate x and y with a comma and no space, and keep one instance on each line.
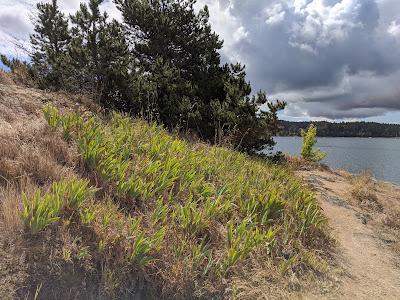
(328,59)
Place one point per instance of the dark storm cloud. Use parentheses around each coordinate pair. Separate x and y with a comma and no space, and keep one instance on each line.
(327,58)
(332,58)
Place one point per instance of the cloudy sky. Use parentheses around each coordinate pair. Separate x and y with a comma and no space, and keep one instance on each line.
(329,59)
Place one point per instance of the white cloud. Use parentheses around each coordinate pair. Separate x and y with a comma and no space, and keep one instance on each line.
(394,29)
(275,14)
(327,58)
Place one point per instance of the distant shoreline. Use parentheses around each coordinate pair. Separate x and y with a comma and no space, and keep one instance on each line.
(343,129)
(339,136)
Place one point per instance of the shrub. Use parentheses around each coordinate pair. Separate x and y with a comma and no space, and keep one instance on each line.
(77,191)
(308,151)
(242,240)
(364,190)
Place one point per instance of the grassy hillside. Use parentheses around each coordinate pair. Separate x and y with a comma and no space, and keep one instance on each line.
(115,207)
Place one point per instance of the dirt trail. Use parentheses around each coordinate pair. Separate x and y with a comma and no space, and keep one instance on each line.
(370,267)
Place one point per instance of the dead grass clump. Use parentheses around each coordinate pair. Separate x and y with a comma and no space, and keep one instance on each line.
(6,78)
(392,219)
(60,150)
(364,191)
(39,165)
(10,208)
(11,204)
(9,148)
(297,163)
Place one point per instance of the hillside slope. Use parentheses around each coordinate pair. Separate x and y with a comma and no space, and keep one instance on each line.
(109,207)
(174,219)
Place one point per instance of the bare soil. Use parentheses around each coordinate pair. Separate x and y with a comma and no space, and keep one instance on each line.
(367,247)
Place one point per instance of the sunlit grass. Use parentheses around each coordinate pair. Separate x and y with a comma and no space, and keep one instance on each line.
(178,206)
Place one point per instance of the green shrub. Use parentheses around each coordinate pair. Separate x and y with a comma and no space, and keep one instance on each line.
(308,151)
(77,192)
(67,122)
(143,246)
(242,240)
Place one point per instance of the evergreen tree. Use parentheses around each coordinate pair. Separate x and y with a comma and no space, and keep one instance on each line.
(308,151)
(185,84)
(116,71)
(88,25)
(100,57)
(177,54)
(50,42)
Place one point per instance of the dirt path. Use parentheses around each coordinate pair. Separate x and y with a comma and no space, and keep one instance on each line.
(368,263)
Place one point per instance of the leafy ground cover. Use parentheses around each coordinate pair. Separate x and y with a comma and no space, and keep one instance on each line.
(110,207)
(186,219)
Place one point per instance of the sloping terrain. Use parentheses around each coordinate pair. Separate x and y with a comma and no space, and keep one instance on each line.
(365,217)
(174,219)
(108,207)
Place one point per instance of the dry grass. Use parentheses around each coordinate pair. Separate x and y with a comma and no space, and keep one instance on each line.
(298,163)
(33,156)
(95,243)
(364,191)
(380,202)
(11,204)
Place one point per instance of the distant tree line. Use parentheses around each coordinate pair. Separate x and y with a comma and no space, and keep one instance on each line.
(342,129)
(162,64)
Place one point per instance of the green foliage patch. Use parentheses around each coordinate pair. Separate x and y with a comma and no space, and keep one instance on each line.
(210,207)
(308,151)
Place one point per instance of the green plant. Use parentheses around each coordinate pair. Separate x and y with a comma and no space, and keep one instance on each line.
(39,212)
(143,246)
(242,240)
(87,216)
(189,217)
(51,115)
(308,151)
(74,192)
(201,254)
(160,213)
(91,143)
(68,122)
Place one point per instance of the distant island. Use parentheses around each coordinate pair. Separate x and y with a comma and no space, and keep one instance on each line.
(342,129)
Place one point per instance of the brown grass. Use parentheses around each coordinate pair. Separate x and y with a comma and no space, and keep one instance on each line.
(32,156)
(11,203)
(298,163)
(57,259)
(364,191)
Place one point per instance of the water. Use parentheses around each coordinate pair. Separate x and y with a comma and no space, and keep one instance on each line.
(381,155)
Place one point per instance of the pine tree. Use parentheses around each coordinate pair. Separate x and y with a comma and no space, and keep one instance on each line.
(185,83)
(101,57)
(116,71)
(88,24)
(50,42)
(177,54)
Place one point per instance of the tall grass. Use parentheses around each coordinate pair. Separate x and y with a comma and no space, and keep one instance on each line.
(42,211)
(176,199)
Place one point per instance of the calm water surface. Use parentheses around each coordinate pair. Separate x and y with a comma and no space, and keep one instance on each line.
(381,155)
